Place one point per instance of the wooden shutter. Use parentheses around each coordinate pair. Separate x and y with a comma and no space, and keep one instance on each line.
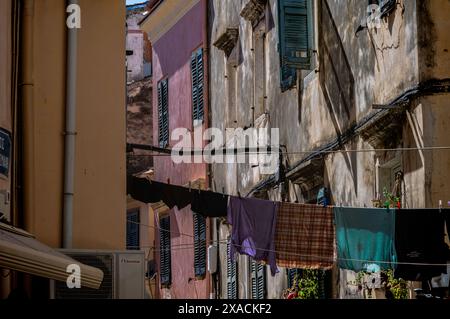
(165,253)
(163,113)
(133,230)
(232,291)
(258,277)
(199,245)
(295,31)
(292,274)
(197,76)
(288,77)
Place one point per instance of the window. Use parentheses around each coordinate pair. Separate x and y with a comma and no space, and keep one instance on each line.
(258,274)
(292,274)
(296,38)
(133,230)
(197,76)
(163,113)
(232,289)
(199,245)
(164,253)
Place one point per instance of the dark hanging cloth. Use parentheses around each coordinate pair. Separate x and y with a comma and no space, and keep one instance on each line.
(253,229)
(419,238)
(209,204)
(173,195)
(447,221)
(143,190)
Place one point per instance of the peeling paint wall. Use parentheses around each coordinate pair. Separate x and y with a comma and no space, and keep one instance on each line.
(353,73)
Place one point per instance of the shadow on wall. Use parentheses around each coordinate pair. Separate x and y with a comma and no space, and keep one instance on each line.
(337,81)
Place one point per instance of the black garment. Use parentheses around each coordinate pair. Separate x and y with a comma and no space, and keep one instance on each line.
(447,221)
(419,238)
(173,195)
(209,204)
(143,190)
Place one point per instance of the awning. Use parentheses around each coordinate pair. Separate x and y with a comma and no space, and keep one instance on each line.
(21,252)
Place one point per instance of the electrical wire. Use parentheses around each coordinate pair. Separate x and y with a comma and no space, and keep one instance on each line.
(266,152)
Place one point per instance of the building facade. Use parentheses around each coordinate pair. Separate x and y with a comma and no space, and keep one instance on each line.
(306,68)
(33,80)
(177,31)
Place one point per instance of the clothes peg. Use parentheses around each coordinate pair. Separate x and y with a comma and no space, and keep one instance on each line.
(199,188)
(223,191)
(189,186)
(239,194)
(168,181)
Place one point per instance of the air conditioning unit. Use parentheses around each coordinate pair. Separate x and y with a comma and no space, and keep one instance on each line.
(123,271)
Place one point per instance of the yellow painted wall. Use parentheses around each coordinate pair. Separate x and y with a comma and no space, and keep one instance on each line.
(99,200)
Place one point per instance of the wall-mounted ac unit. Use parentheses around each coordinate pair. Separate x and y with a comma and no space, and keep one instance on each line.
(124,275)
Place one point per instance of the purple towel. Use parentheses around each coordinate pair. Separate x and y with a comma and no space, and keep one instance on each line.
(253,229)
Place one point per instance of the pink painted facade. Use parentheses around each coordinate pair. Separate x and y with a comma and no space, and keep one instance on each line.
(171,60)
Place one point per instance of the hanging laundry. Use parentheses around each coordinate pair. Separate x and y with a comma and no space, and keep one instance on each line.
(173,195)
(365,236)
(304,236)
(253,229)
(145,191)
(209,204)
(419,238)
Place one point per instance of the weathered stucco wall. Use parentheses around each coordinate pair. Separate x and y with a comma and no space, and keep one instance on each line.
(353,72)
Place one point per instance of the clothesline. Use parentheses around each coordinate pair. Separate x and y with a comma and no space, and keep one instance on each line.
(196,152)
(225,242)
(274,201)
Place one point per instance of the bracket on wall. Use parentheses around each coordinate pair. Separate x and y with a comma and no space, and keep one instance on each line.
(253,10)
(227,41)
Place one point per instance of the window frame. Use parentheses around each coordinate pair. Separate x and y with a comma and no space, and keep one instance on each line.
(165,252)
(163,129)
(196,105)
(199,246)
(135,212)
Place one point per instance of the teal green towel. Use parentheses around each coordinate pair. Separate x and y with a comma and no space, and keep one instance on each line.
(365,238)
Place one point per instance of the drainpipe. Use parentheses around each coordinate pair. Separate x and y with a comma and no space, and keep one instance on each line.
(207,115)
(26,88)
(70,133)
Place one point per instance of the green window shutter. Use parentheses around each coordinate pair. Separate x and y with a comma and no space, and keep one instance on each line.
(197,76)
(288,77)
(133,230)
(232,291)
(258,277)
(295,29)
(199,245)
(292,274)
(165,253)
(163,113)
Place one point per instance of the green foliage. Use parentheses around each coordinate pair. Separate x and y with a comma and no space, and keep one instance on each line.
(398,287)
(307,284)
(390,199)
